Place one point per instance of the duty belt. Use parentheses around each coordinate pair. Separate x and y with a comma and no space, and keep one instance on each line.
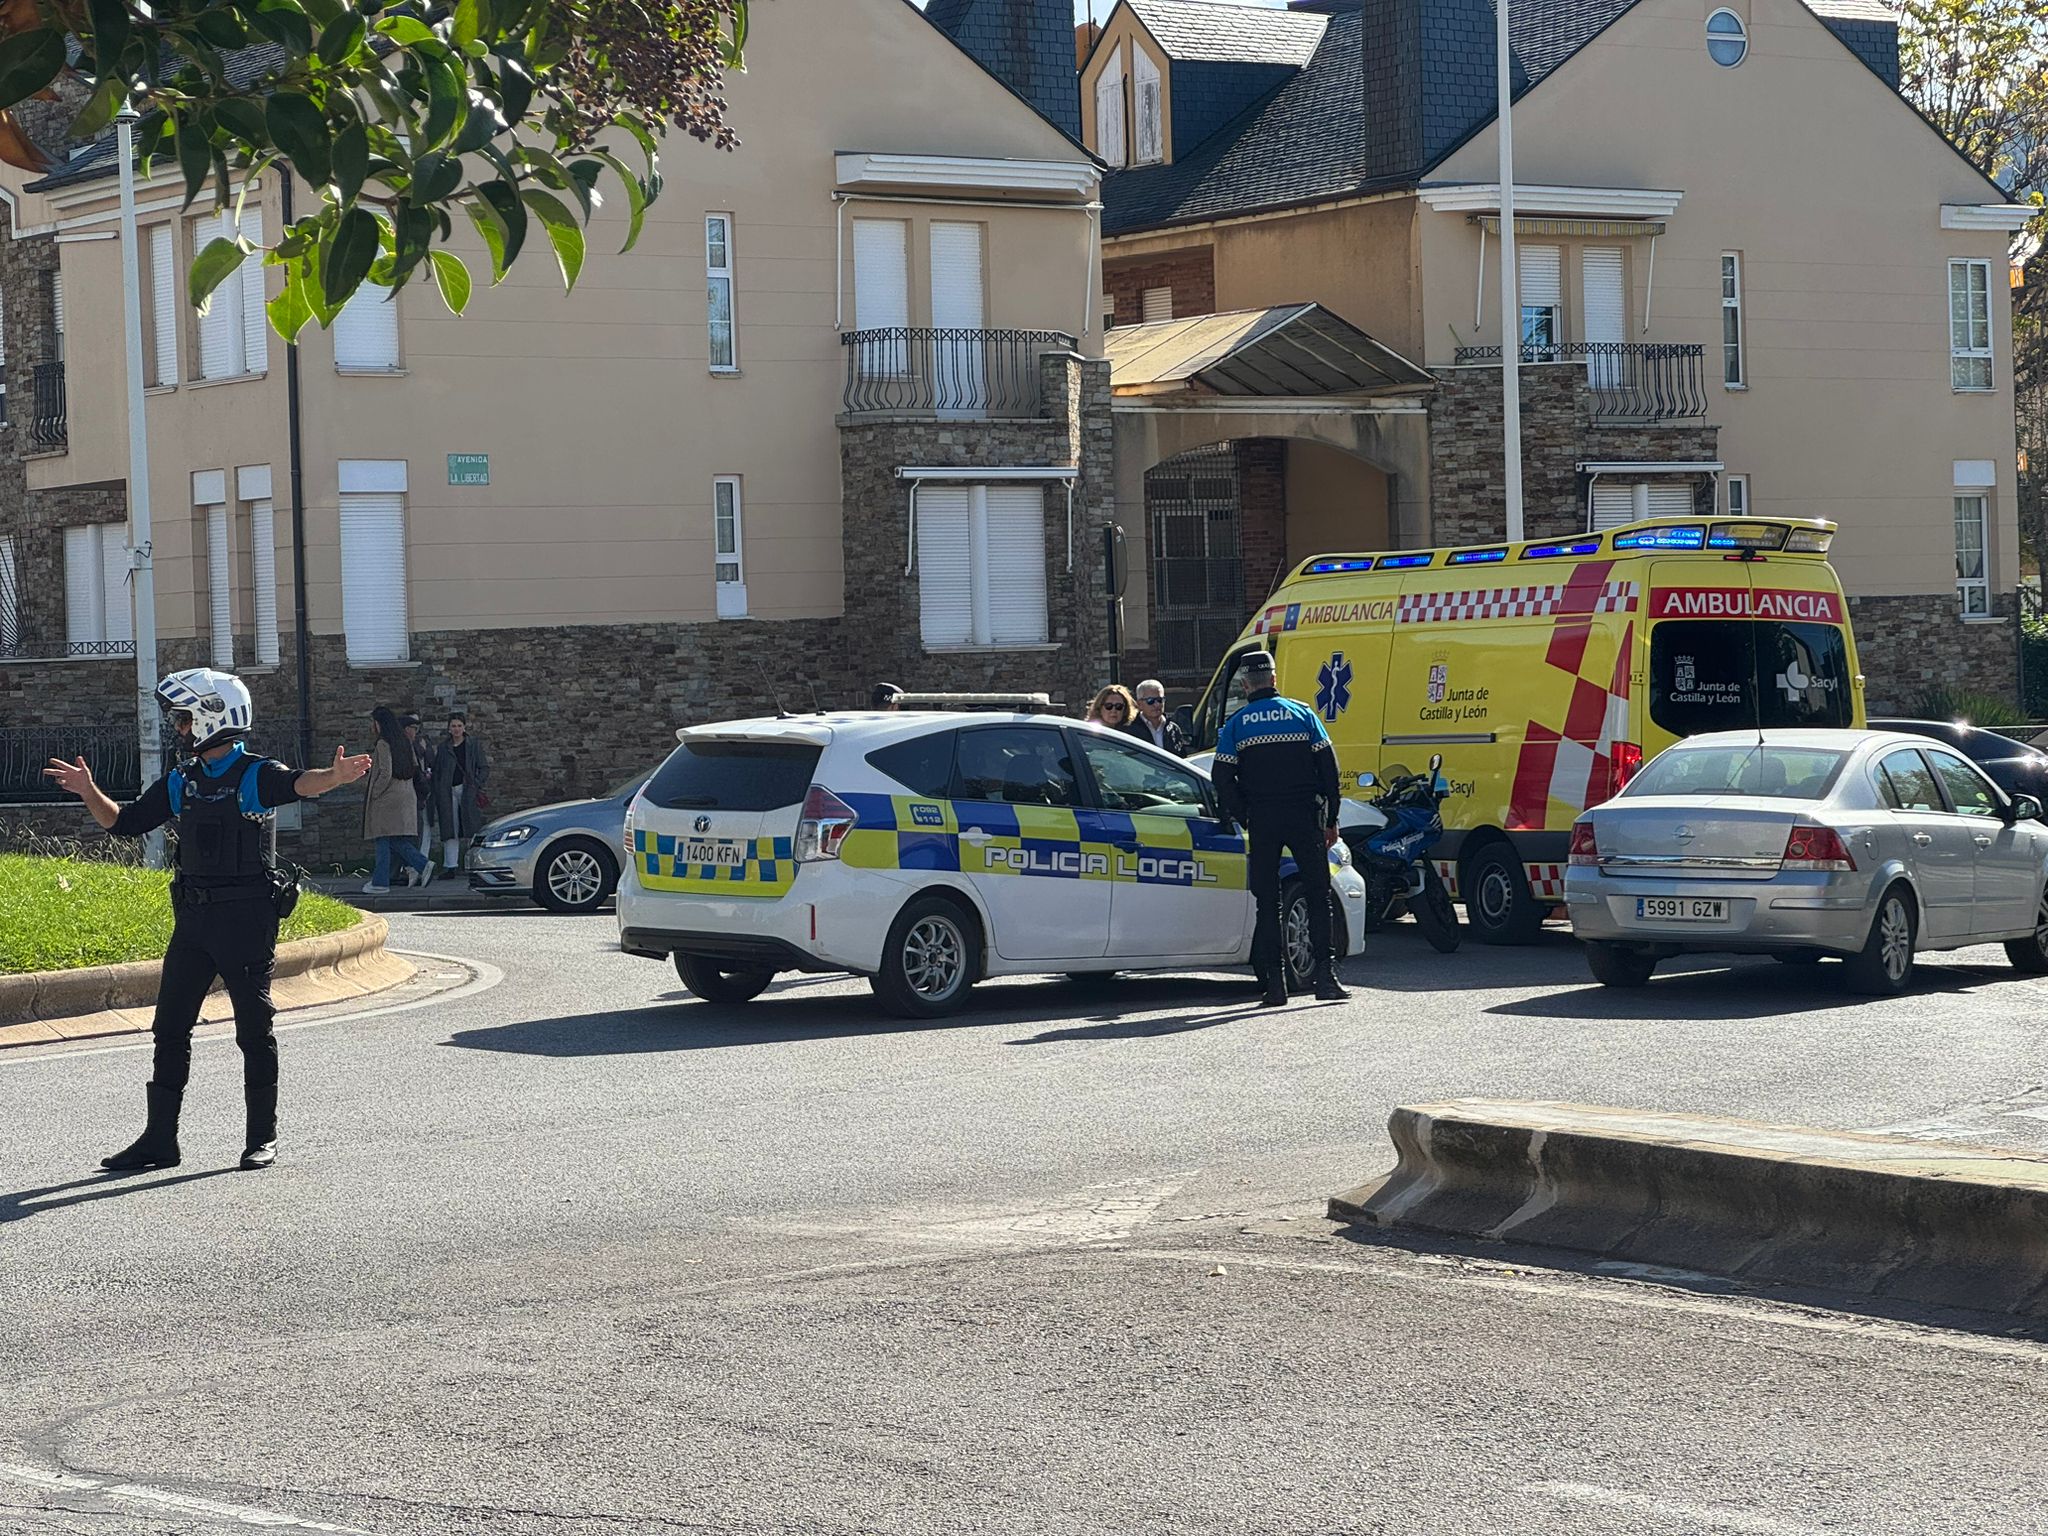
(183,897)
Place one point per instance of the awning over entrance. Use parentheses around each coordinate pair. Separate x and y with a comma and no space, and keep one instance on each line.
(1292,351)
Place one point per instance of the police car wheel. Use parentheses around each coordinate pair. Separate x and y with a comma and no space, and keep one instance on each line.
(1498,902)
(574,877)
(1300,954)
(715,984)
(931,960)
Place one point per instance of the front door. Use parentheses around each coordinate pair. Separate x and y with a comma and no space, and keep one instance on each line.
(1179,886)
(1017,800)
(2008,885)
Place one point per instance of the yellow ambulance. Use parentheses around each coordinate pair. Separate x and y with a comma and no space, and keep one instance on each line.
(1547,672)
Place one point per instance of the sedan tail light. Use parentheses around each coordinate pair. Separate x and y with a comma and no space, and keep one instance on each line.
(1627,760)
(1585,846)
(826,821)
(1817,848)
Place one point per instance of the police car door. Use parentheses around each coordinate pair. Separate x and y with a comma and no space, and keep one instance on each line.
(1017,798)
(1180,878)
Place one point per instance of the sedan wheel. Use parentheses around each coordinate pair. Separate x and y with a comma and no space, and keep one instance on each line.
(2031,955)
(576,877)
(1884,966)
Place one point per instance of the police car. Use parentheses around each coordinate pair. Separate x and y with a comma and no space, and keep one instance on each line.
(927,851)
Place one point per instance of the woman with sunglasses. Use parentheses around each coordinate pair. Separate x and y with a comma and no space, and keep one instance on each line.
(1113,707)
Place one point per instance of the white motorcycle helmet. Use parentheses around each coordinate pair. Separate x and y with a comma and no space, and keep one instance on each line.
(218,703)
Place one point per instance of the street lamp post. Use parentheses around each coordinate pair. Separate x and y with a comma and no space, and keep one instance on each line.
(148,724)
(1510,286)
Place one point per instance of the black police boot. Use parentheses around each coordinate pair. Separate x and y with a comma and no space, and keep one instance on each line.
(1328,988)
(1275,993)
(157,1146)
(260,1147)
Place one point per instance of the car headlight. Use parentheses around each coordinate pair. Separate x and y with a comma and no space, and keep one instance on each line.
(510,837)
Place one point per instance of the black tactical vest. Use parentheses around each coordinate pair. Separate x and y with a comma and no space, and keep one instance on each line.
(219,845)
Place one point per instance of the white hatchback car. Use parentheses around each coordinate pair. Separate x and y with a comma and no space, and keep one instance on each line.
(926,851)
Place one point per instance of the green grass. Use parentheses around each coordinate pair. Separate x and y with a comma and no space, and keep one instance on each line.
(59,914)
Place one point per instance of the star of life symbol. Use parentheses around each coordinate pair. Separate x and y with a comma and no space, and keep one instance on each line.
(1333,686)
(1439,681)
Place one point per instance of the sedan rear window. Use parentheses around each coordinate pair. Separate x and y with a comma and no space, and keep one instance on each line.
(1777,773)
(733,776)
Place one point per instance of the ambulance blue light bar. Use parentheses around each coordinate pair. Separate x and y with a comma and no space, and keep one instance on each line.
(1478,556)
(1560,551)
(1748,536)
(1332,567)
(1403,562)
(1687,536)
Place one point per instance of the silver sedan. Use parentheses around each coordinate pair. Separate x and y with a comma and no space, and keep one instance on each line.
(566,856)
(1862,845)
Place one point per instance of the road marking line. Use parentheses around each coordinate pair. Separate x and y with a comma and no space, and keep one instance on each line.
(44,1479)
(245,1514)
(1723,1517)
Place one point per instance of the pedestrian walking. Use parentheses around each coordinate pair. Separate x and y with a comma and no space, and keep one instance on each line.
(462,775)
(1151,722)
(390,807)
(227,896)
(422,785)
(1113,708)
(1276,774)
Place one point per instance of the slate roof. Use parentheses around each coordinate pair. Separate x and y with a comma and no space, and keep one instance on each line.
(1853,10)
(1223,33)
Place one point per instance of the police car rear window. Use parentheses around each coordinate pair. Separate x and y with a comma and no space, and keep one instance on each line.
(923,765)
(733,776)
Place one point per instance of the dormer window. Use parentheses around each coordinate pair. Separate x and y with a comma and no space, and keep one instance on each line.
(1151,112)
(1727,39)
(1109,114)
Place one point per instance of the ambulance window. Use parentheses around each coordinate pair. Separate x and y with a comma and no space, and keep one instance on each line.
(1736,674)
(1015,765)
(1133,780)
(716,775)
(923,765)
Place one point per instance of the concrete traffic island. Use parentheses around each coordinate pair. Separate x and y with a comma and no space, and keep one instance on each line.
(100,1000)
(1882,1216)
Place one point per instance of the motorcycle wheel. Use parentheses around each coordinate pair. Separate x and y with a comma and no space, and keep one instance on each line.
(1435,914)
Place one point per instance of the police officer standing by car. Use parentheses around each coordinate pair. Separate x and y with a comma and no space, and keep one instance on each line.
(226,896)
(1276,774)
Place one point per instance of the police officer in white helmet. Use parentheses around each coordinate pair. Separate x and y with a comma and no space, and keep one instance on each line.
(225,906)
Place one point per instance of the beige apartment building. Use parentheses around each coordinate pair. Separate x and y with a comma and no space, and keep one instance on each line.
(1752,278)
(834,421)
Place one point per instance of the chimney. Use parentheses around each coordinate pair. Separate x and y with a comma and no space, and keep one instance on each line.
(1027,44)
(1429,80)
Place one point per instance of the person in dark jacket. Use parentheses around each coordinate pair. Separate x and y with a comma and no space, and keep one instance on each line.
(462,773)
(1276,773)
(1153,724)
(224,909)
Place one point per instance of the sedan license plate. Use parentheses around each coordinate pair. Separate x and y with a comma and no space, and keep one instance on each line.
(731,854)
(1681,909)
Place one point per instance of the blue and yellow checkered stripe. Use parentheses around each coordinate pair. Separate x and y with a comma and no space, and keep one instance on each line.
(767,866)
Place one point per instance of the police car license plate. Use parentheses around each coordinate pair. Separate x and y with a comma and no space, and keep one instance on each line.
(1681,909)
(714,853)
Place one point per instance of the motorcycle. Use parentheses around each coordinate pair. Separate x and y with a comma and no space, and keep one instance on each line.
(1391,837)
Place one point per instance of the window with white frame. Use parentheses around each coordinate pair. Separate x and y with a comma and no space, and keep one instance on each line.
(1973,561)
(1109,113)
(1541,270)
(366,332)
(1151,111)
(881,296)
(234,332)
(10,600)
(718,265)
(1969,326)
(374,614)
(728,549)
(162,331)
(259,518)
(1732,373)
(98,617)
(1727,39)
(1617,503)
(1738,496)
(981,565)
(210,511)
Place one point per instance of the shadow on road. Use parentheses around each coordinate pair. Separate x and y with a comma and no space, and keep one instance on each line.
(24,1203)
(690,1026)
(1705,988)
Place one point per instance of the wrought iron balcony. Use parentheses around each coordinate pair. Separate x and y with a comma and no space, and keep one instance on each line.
(961,374)
(111,751)
(49,424)
(1631,381)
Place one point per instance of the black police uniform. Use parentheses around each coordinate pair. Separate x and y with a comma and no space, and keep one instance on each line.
(224,924)
(1276,772)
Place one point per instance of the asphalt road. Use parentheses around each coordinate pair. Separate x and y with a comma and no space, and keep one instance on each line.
(569,1254)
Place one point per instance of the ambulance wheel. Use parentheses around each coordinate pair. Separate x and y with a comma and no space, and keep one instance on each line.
(715,984)
(1619,965)
(930,961)
(1498,902)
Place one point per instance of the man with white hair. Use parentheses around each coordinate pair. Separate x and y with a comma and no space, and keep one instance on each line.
(1153,724)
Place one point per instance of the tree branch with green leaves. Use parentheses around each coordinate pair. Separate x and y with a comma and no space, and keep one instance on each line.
(410,121)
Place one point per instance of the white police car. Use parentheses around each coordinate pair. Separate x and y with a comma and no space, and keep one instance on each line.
(926,851)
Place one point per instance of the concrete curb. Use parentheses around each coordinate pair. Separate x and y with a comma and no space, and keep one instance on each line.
(1883,1216)
(101,1000)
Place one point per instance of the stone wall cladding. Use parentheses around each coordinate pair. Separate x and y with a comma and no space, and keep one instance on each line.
(1558,434)
(1910,646)
(1190,274)
(1262,516)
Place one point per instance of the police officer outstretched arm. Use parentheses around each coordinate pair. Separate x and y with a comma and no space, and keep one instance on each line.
(224,904)
(1276,774)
